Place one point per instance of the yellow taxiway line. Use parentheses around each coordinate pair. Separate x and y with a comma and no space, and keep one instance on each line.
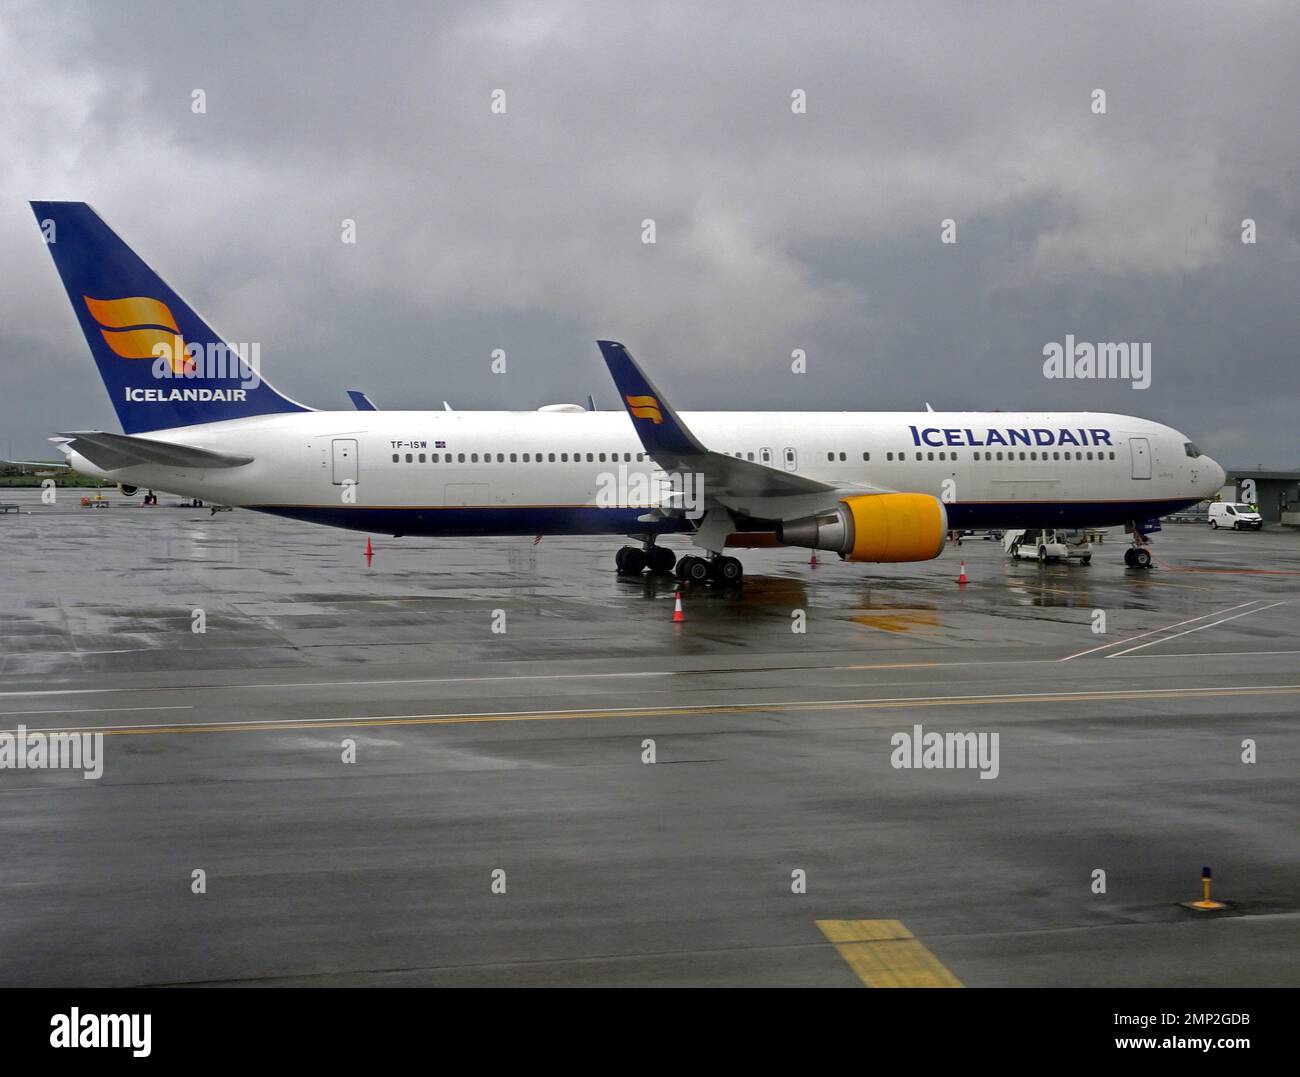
(255,725)
(884,953)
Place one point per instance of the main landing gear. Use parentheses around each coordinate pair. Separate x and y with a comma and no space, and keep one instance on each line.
(633,560)
(718,568)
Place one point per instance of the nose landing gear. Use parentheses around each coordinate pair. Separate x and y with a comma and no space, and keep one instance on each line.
(1137,557)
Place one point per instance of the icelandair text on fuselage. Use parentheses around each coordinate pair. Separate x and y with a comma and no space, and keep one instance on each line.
(1033,437)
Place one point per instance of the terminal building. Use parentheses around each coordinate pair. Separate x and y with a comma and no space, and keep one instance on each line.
(1276,493)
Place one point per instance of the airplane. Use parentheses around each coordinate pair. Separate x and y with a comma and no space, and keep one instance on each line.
(873,487)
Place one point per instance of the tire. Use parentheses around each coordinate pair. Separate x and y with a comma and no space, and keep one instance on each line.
(727,570)
(661,560)
(1141,558)
(633,562)
(1042,555)
(1214,525)
(1128,557)
(697,570)
(1086,559)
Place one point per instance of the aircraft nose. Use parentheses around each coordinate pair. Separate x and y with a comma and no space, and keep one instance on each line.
(1215,477)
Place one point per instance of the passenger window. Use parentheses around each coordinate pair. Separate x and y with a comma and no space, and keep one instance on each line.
(602,458)
(473,458)
(889,456)
(843,457)
(943,456)
(929,456)
(830,456)
(422,458)
(408,457)
(514,458)
(526,460)
(918,456)
(1090,456)
(999,456)
(501,458)
(551,457)
(396,459)
(564,457)
(751,456)
(866,456)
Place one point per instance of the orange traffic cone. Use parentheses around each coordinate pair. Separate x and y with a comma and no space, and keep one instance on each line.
(369,552)
(678,615)
(812,561)
(961,576)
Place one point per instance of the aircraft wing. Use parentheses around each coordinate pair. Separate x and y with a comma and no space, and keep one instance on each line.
(742,485)
(113,451)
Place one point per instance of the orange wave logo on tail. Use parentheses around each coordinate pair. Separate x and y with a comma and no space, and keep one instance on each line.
(645,407)
(140,328)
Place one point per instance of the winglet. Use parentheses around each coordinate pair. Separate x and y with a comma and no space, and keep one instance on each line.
(360,401)
(657,425)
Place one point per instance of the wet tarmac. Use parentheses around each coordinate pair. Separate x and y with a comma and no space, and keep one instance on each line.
(501,698)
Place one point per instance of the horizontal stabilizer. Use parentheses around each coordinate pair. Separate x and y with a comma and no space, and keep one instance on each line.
(113,451)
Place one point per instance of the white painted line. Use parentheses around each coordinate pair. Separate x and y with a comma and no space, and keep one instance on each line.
(1198,628)
(1214,654)
(1165,628)
(507,677)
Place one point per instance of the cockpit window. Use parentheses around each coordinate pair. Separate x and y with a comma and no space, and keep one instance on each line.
(1191,450)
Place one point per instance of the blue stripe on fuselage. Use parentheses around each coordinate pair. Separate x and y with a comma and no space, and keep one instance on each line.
(485,520)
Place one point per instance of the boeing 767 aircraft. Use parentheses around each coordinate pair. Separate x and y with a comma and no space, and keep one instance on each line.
(198,420)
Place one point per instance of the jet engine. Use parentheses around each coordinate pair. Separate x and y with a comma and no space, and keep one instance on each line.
(874,527)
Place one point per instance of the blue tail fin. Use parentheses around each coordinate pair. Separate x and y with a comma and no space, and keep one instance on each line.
(162,364)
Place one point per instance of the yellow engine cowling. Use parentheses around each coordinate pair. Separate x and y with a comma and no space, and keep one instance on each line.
(875,527)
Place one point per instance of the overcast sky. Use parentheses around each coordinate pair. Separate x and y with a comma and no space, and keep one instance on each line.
(775,230)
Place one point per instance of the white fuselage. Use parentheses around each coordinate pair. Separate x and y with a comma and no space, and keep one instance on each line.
(546,472)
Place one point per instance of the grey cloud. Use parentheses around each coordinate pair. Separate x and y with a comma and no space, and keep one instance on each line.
(775,231)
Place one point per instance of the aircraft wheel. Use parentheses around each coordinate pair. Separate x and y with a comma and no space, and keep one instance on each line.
(1042,555)
(727,570)
(661,560)
(629,561)
(1128,557)
(1141,558)
(693,569)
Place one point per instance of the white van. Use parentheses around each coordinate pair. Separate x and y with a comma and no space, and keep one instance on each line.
(1235,515)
